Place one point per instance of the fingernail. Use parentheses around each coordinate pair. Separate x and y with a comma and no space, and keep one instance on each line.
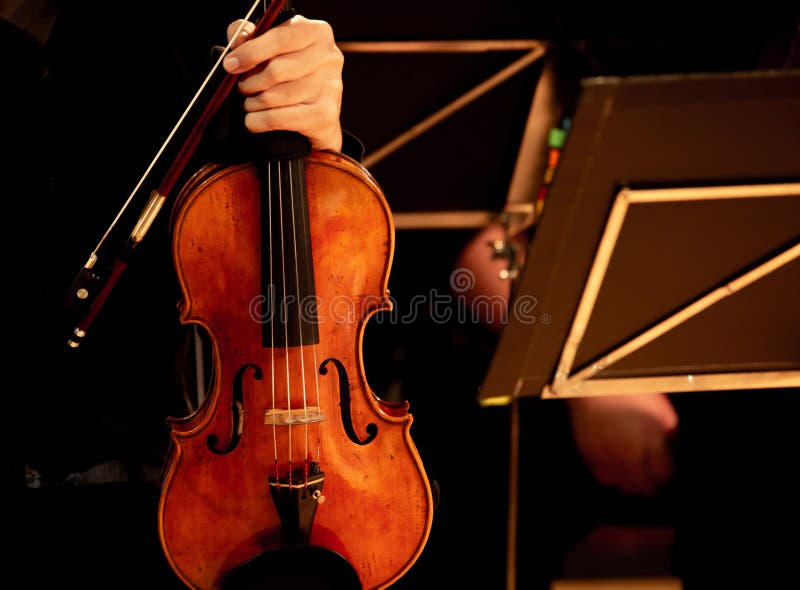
(231,63)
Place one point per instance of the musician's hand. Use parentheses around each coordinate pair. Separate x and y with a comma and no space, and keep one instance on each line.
(625,440)
(292,79)
(477,276)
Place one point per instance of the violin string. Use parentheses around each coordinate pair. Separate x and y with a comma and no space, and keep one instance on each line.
(284,315)
(175,128)
(300,301)
(271,311)
(315,360)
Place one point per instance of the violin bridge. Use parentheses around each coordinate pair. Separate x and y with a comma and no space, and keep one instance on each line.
(280,417)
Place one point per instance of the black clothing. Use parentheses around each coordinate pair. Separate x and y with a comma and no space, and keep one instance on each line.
(83,117)
(85,122)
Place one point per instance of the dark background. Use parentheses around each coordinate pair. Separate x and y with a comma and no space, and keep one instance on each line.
(464,163)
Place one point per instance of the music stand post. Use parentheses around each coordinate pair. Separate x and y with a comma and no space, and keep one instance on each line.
(667,256)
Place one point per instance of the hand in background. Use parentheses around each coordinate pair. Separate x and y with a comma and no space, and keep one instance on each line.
(625,440)
(291,77)
(488,294)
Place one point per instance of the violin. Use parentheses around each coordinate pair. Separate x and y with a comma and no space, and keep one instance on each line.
(292,471)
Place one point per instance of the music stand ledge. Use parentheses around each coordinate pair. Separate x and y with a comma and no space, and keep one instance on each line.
(667,257)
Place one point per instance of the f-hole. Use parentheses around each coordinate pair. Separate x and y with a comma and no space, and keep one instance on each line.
(237,412)
(344,404)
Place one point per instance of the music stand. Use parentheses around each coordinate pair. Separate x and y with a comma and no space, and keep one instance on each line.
(667,257)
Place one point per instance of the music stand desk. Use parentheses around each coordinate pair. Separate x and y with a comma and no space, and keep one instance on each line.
(667,256)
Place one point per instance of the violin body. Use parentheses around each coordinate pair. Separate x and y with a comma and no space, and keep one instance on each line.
(291,447)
